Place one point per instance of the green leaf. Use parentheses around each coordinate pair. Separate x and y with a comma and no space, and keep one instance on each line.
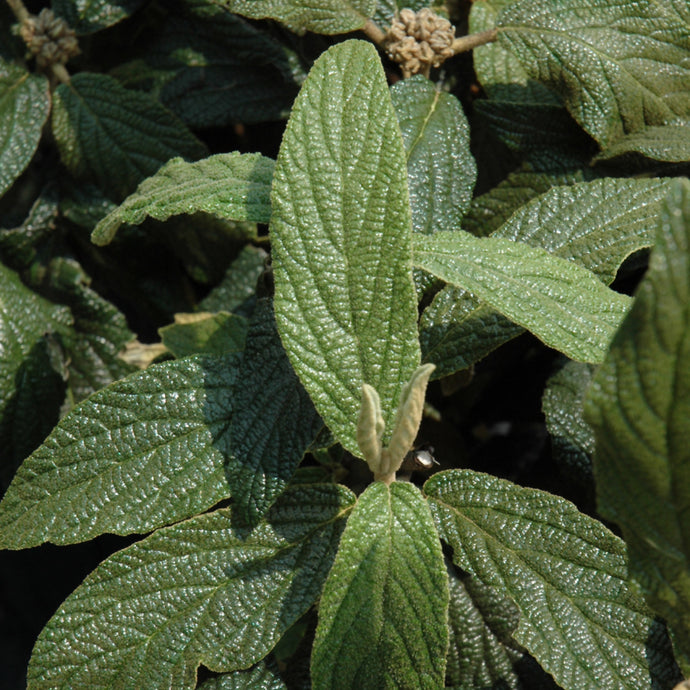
(441,171)
(341,237)
(670,143)
(274,421)
(319,16)
(383,612)
(233,186)
(260,677)
(563,304)
(24,108)
(207,591)
(114,137)
(639,406)
(215,334)
(619,67)
(387,9)
(565,572)
(88,16)
(143,452)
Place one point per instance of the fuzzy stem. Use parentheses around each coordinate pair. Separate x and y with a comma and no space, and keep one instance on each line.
(387,478)
(465,43)
(373,32)
(60,73)
(20,12)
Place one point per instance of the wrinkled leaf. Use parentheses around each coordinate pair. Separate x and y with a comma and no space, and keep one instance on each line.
(24,108)
(232,186)
(341,237)
(143,452)
(215,334)
(383,614)
(207,591)
(263,676)
(639,406)
(387,9)
(670,143)
(565,572)
(88,16)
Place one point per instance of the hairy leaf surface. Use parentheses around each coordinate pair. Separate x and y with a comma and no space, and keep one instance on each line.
(384,609)
(260,677)
(565,572)
(88,16)
(341,236)
(670,143)
(207,591)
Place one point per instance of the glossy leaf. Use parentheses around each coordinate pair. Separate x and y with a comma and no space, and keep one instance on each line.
(670,143)
(440,168)
(639,408)
(24,108)
(143,452)
(215,334)
(274,421)
(207,591)
(563,304)
(612,85)
(565,572)
(384,609)
(114,137)
(341,241)
(319,16)
(87,16)
(233,186)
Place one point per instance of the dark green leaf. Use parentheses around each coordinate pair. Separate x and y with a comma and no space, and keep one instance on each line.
(639,406)
(232,186)
(143,452)
(341,239)
(24,108)
(383,616)
(87,16)
(114,137)
(215,334)
(387,9)
(565,572)
(207,591)
(670,143)
(260,677)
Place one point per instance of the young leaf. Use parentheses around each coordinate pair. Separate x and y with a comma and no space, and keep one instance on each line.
(565,572)
(563,304)
(639,406)
(115,137)
(612,85)
(24,108)
(341,235)
(233,186)
(207,591)
(274,420)
(143,452)
(670,143)
(88,16)
(383,614)
(319,16)
(441,171)
(215,334)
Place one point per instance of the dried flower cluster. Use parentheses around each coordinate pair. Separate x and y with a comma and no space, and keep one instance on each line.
(49,38)
(419,40)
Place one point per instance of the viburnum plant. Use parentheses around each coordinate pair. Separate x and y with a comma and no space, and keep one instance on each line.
(407,245)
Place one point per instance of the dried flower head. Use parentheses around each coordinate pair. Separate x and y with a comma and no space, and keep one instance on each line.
(49,38)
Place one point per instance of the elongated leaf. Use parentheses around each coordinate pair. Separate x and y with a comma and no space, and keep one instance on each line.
(341,235)
(143,452)
(565,572)
(384,609)
(670,143)
(612,85)
(115,137)
(319,16)
(441,171)
(207,591)
(24,108)
(233,186)
(274,422)
(564,305)
(87,16)
(639,408)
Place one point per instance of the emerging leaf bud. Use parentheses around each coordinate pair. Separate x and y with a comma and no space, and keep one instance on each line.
(49,38)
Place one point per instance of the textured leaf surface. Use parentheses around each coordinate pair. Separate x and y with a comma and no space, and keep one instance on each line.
(215,334)
(387,9)
(565,572)
(341,235)
(639,406)
(207,591)
(563,304)
(143,452)
(670,143)
(319,16)
(233,186)
(114,137)
(274,422)
(87,16)
(259,677)
(384,609)
(441,171)
(620,67)
(24,108)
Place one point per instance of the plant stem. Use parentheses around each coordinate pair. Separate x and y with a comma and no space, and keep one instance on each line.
(465,43)
(20,12)
(386,478)
(373,32)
